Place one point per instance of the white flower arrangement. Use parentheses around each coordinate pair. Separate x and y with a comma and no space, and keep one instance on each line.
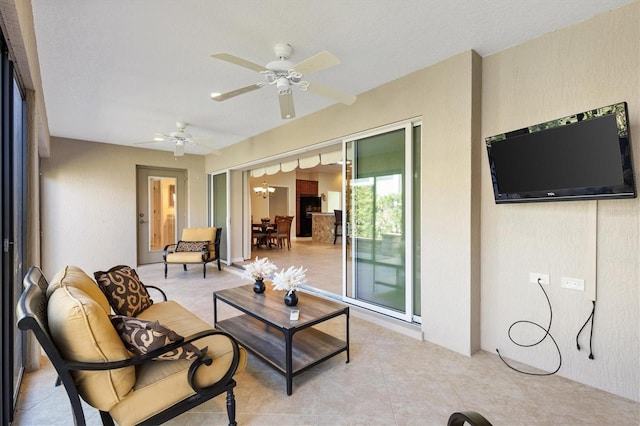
(289,280)
(259,269)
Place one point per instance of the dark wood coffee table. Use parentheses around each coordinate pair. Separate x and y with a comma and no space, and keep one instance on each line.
(265,329)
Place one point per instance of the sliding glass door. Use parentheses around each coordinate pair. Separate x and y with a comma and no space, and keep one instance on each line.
(218,209)
(13,155)
(379,214)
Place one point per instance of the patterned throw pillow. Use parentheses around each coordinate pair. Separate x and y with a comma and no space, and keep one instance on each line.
(126,294)
(141,337)
(191,245)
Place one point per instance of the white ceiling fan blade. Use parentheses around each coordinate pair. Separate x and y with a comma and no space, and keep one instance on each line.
(286,106)
(329,92)
(200,142)
(238,61)
(224,96)
(316,63)
(148,142)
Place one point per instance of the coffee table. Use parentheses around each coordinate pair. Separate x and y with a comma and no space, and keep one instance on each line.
(264,328)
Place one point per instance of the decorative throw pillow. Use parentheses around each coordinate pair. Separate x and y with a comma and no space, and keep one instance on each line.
(141,337)
(126,293)
(191,245)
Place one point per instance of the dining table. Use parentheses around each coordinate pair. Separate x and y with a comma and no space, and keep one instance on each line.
(262,233)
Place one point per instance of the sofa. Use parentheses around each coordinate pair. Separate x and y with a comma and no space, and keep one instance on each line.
(79,324)
(196,246)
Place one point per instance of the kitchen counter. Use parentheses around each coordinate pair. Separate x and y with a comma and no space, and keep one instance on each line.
(322,227)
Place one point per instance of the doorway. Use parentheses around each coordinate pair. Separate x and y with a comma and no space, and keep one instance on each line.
(161,207)
(279,202)
(378,191)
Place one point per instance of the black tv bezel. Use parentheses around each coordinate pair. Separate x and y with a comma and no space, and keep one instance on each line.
(626,190)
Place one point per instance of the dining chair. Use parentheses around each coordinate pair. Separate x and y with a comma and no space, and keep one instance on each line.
(283,232)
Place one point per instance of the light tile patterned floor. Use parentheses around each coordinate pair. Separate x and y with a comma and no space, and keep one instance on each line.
(392,379)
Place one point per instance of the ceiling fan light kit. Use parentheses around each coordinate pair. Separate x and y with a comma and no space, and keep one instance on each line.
(283,74)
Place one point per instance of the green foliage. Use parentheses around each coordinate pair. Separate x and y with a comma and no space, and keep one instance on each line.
(388,215)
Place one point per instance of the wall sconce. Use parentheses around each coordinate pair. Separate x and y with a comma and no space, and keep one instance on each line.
(324,196)
(264,190)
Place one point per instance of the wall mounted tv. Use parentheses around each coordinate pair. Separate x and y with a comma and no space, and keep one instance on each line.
(583,156)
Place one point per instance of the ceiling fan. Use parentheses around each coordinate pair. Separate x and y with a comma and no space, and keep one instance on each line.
(180,138)
(283,74)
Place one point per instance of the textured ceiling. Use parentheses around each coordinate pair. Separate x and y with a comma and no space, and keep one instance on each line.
(121,71)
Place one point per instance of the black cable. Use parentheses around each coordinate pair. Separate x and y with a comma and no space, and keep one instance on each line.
(546,330)
(591,318)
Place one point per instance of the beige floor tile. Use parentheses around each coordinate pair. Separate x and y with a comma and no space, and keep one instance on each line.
(391,379)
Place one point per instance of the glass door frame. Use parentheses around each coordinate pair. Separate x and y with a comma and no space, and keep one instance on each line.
(220,211)
(144,252)
(13,229)
(407,315)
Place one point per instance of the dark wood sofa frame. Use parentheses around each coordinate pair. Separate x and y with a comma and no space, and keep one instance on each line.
(32,315)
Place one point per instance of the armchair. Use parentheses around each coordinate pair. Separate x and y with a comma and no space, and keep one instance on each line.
(197,246)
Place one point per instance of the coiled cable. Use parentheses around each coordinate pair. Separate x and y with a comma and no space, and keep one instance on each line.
(546,334)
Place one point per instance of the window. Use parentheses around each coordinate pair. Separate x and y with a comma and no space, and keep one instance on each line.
(13,230)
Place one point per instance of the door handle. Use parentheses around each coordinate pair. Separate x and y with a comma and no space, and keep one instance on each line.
(143,221)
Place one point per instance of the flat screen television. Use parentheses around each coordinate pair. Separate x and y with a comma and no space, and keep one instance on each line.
(583,156)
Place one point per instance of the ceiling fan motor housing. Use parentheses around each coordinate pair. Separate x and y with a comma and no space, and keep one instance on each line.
(283,50)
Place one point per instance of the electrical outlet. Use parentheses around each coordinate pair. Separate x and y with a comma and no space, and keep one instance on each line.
(572,283)
(535,276)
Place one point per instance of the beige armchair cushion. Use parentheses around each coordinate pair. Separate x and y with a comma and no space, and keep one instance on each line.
(82,331)
(184,257)
(199,234)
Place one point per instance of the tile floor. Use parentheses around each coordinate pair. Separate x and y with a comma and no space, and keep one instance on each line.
(392,379)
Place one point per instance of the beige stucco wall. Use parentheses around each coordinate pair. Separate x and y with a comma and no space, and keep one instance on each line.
(586,66)
(443,95)
(89,202)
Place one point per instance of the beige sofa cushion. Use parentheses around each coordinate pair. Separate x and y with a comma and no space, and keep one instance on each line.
(160,384)
(73,276)
(82,331)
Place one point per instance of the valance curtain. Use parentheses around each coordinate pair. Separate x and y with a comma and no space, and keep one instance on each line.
(303,163)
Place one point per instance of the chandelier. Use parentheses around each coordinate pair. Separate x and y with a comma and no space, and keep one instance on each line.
(264,190)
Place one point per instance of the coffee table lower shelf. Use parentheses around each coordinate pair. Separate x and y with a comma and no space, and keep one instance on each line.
(309,346)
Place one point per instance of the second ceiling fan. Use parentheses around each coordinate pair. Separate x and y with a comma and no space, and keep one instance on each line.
(283,74)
